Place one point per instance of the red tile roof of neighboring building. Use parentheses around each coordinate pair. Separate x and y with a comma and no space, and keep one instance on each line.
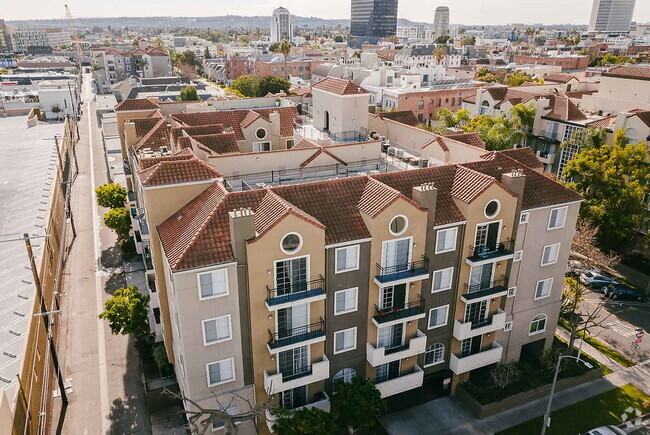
(274,208)
(144,125)
(629,72)
(470,184)
(438,141)
(606,122)
(376,197)
(559,77)
(524,156)
(157,137)
(221,143)
(305,144)
(403,116)
(644,116)
(178,171)
(338,86)
(148,162)
(318,153)
(136,104)
(563,109)
(471,138)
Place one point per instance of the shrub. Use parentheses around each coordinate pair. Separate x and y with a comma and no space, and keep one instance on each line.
(504,374)
(111,195)
(118,220)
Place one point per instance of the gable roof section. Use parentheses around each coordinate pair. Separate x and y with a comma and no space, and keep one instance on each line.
(470,184)
(274,208)
(629,72)
(644,116)
(144,125)
(471,138)
(338,86)
(563,109)
(157,137)
(376,197)
(318,153)
(148,162)
(221,143)
(438,141)
(136,104)
(250,117)
(525,156)
(305,144)
(178,171)
(559,77)
(403,116)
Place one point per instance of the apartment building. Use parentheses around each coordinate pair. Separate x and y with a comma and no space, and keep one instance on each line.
(426,101)
(302,68)
(621,88)
(25,36)
(422,55)
(568,62)
(112,66)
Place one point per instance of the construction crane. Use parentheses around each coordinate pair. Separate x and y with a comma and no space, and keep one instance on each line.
(73,33)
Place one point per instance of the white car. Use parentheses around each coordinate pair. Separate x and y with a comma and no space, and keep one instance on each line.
(606,430)
(595,280)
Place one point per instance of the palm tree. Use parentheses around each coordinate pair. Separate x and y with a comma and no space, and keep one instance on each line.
(285,48)
(439,53)
(524,115)
(449,119)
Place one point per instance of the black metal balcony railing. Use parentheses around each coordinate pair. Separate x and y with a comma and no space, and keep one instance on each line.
(402,271)
(295,292)
(400,312)
(296,373)
(476,291)
(297,335)
(490,251)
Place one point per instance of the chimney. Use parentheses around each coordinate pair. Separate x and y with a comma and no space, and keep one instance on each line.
(515,181)
(242,228)
(274,117)
(426,195)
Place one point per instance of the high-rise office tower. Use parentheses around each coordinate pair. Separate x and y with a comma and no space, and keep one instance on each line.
(281,25)
(611,16)
(441,21)
(373,19)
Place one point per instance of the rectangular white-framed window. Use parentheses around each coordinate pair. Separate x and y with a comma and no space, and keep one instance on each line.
(512,291)
(345,301)
(517,255)
(438,316)
(523,217)
(346,259)
(550,254)
(259,147)
(220,372)
(446,240)
(556,218)
(507,326)
(345,340)
(213,284)
(216,330)
(543,288)
(442,279)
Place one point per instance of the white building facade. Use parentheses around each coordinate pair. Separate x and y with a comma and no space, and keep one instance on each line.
(611,16)
(281,28)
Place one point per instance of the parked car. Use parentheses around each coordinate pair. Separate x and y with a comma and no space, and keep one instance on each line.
(624,292)
(595,280)
(606,430)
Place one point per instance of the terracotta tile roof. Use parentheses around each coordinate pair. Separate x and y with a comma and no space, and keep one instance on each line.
(234,119)
(178,171)
(157,137)
(305,144)
(559,77)
(155,51)
(629,72)
(579,94)
(338,86)
(274,208)
(471,138)
(376,197)
(144,125)
(644,116)
(221,143)
(606,122)
(404,116)
(525,156)
(438,141)
(318,153)
(250,117)
(148,162)
(183,143)
(563,109)
(302,91)
(470,184)
(136,104)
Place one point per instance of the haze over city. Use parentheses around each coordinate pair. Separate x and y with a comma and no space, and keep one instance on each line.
(473,12)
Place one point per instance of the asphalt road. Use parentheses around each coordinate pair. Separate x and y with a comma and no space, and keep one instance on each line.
(108,396)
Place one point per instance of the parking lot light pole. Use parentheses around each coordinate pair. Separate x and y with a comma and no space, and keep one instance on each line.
(547,417)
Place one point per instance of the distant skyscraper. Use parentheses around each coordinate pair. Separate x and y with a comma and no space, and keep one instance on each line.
(281,25)
(373,19)
(611,16)
(441,21)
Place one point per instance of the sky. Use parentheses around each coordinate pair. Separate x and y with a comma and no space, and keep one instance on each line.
(462,11)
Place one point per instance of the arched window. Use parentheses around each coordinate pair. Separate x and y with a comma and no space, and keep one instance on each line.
(434,354)
(345,375)
(538,325)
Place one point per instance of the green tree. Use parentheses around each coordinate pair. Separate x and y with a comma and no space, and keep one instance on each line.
(613,180)
(189,58)
(188,93)
(305,421)
(118,220)
(111,195)
(498,133)
(469,40)
(338,38)
(439,53)
(442,39)
(248,85)
(274,47)
(449,119)
(272,84)
(206,54)
(524,115)
(357,405)
(517,78)
(127,313)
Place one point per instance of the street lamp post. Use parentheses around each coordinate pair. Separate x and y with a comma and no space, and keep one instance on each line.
(547,417)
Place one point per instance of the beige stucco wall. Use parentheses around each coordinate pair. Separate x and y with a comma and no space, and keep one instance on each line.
(618,94)
(346,112)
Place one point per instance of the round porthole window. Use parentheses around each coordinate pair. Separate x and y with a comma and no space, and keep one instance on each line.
(492,208)
(398,225)
(260,133)
(291,243)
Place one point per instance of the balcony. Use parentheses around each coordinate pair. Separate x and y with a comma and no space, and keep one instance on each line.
(552,135)
(545,157)
(409,311)
(489,290)
(485,252)
(302,335)
(321,401)
(382,355)
(484,358)
(131,195)
(401,383)
(127,167)
(464,330)
(308,291)
(406,272)
(319,371)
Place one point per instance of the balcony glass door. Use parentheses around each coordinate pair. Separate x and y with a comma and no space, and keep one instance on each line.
(294,361)
(470,346)
(390,336)
(481,277)
(292,321)
(388,371)
(487,236)
(294,398)
(291,275)
(396,255)
(393,297)
(476,312)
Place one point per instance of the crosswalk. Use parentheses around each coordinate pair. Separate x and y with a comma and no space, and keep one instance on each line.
(621,328)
